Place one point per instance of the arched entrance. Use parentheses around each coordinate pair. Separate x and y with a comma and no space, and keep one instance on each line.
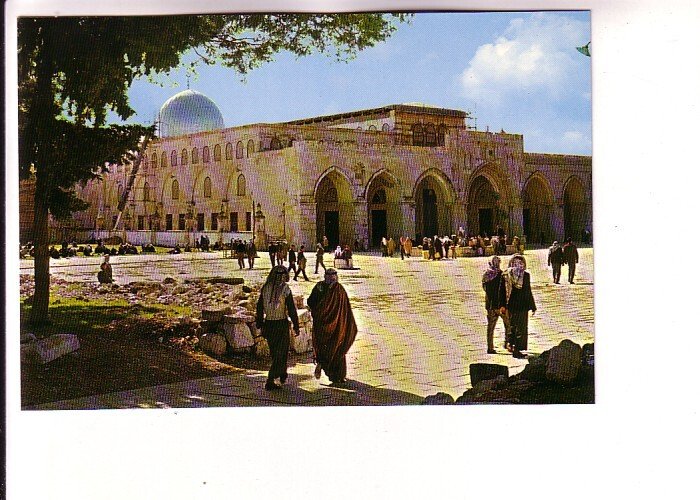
(433,215)
(383,211)
(538,204)
(483,216)
(575,209)
(334,210)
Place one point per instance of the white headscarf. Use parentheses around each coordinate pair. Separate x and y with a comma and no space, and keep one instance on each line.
(515,274)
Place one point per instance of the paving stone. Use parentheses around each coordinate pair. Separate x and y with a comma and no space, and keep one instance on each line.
(49,349)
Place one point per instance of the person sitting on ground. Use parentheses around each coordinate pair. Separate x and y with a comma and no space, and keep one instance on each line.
(105,273)
(188,248)
(338,252)
(347,255)
(87,250)
(175,250)
(53,253)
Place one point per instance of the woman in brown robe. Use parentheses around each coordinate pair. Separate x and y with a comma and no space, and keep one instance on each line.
(334,328)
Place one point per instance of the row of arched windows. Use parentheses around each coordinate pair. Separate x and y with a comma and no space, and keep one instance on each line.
(185,156)
(175,188)
(428,135)
(373,128)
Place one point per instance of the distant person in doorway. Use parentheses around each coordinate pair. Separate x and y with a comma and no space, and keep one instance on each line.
(275,306)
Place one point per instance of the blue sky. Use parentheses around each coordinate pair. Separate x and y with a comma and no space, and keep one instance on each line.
(515,71)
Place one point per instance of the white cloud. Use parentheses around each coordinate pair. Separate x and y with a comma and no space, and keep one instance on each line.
(532,54)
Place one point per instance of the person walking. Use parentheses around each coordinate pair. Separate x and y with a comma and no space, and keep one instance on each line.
(320,250)
(555,257)
(301,264)
(334,328)
(519,301)
(272,250)
(571,258)
(252,252)
(402,242)
(494,285)
(292,259)
(241,254)
(275,305)
(408,246)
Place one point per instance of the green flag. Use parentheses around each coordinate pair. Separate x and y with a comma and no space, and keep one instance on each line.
(585,50)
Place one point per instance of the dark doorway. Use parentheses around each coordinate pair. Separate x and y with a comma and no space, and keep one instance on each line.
(332,228)
(430,225)
(527,228)
(378,227)
(486,221)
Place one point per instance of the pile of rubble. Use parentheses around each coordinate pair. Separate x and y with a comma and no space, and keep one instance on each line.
(563,374)
(233,329)
(227,323)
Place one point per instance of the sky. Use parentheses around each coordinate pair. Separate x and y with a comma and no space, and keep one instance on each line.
(516,71)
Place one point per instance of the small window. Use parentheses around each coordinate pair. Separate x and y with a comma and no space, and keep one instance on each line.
(183,156)
(217,152)
(176,190)
(200,222)
(140,222)
(275,143)
(239,149)
(173,158)
(379,197)
(385,127)
(181,222)
(205,154)
(214,221)
(154,160)
(359,129)
(229,151)
(233,222)
(207,187)
(250,149)
(164,159)
(146,192)
(372,128)
(168,222)
(331,195)
(418,137)
(195,156)
(441,133)
(240,186)
(430,135)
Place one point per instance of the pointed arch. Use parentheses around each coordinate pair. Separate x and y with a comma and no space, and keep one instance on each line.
(575,201)
(183,157)
(207,187)
(382,172)
(205,154)
(164,159)
(418,136)
(217,152)
(229,151)
(240,185)
(195,156)
(173,158)
(383,195)
(175,190)
(154,160)
(538,206)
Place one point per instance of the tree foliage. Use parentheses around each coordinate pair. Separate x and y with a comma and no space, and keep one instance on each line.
(74,70)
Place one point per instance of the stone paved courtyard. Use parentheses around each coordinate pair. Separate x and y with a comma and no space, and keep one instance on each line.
(421,323)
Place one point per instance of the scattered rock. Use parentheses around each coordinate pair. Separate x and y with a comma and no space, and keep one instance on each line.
(213,343)
(564,362)
(440,398)
(49,349)
(247,289)
(169,280)
(238,336)
(215,315)
(302,343)
(486,371)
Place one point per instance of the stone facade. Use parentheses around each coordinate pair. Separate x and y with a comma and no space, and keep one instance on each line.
(398,170)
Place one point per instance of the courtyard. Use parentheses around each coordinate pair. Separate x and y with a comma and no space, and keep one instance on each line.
(420,325)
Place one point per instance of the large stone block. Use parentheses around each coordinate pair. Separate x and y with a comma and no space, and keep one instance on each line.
(215,315)
(213,343)
(441,398)
(486,371)
(302,343)
(238,336)
(48,349)
(564,362)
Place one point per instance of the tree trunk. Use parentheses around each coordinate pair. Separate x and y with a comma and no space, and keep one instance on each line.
(42,117)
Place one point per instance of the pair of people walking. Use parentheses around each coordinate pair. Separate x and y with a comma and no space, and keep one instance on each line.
(566,255)
(334,328)
(508,296)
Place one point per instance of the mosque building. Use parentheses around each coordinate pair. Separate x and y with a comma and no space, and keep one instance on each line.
(401,169)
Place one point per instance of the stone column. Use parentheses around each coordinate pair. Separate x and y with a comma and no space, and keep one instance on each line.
(361,222)
(408,216)
(558,219)
(516,221)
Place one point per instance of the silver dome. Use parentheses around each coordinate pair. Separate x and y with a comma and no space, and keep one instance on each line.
(188,112)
